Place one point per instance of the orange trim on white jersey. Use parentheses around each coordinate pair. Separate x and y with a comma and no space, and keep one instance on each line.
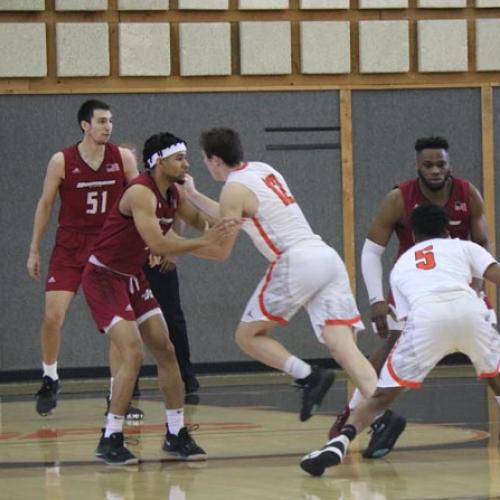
(492,374)
(400,381)
(351,321)
(265,312)
(265,236)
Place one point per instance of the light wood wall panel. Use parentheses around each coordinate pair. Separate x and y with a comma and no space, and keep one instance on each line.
(478,63)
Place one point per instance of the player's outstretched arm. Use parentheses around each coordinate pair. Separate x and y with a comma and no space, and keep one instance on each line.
(139,202)
(200,200)
(191,214)
(214,251)
(236,202)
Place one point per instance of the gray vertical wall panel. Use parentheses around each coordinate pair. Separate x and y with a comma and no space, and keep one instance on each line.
(385,127)
(34,127)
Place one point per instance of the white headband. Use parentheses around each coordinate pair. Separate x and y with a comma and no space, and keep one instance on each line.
(180,147)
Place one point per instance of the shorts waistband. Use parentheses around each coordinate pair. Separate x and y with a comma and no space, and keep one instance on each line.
(133,281)
(94,260)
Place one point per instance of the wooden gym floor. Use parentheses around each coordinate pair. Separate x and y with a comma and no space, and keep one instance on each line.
(249,427)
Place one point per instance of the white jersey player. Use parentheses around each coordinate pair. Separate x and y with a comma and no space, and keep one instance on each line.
(304,271)
(430,284)
(442,313)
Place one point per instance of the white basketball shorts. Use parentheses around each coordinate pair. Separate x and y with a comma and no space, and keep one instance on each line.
(437,326)
(310,275)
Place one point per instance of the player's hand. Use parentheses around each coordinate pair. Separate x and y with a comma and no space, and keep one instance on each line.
(167,264)
(154,260)
(477,284)
(164,264)
(189,187)
(378,314)
(33,265)
(220,231)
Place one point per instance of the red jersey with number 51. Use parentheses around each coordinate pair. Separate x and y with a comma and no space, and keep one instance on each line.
(457,207)
(86,194)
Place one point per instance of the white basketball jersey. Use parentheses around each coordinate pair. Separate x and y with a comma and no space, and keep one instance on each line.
(279,222)
(436,266)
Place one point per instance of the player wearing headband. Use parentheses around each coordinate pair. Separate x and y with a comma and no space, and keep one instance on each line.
(121,301)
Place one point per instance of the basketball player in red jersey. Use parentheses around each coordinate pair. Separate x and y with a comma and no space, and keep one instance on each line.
(121,301)
(464,205)
(89,177)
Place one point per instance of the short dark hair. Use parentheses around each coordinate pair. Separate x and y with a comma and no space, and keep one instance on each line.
(156,143)
(429,221)
(87,109)
(431,143)
(224,143)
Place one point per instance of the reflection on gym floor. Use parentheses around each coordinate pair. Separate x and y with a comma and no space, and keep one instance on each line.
(251,431)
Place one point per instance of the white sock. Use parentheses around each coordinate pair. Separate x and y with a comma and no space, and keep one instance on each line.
(175,420)
(296,367)
(111,387)
(50,371)
(114,423)
(111,495)
(176,493)
(53,475)
(357,398)
(498,400)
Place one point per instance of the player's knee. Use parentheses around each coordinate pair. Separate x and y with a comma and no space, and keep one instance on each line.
(133,354)
(163,352)
(53,319)
(159,341)
(242,338)
(385,396)
(169,350)
(246,334)
(368,385)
